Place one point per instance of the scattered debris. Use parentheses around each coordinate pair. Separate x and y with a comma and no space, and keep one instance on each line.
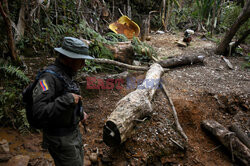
(229,64)
(160,32)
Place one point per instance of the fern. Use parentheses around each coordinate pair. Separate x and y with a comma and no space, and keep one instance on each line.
(14,71)
(113,37)
(142,49)
(22,120)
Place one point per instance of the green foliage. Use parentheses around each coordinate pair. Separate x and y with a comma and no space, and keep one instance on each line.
(229,14)
(11,111)
(204,8)
(13,71)
(144,52)
(113,37)
(12,81)
(98,50)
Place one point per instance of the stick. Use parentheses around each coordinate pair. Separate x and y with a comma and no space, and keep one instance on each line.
(177,143)
(208,151)
(178,126)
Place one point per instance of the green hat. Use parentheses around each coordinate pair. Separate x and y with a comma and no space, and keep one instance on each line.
(74,48)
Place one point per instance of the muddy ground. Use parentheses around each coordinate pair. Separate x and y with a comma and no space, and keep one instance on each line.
(203,91)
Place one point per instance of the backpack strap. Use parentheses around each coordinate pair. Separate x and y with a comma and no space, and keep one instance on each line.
(60,77)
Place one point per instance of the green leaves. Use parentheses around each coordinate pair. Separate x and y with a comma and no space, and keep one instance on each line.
(14,71)
(204,8)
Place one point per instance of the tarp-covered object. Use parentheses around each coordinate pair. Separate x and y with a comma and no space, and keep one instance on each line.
(126,26)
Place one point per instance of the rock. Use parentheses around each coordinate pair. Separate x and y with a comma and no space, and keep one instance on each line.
(160,32)
(41,161)
(87,162)
(29,146)
(4,146)
(180,43)
(136,63)
(93,157)
(19,160)
(148,38)
(5,157)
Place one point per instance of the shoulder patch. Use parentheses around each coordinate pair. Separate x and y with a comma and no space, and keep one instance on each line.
(44,85)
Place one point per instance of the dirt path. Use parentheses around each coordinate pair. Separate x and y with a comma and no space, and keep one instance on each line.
(199,92)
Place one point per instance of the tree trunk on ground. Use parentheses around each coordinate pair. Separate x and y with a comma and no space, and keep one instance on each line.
(168,63)
(120,64)
(242,18)
(181,61)
(240,134)
(136,105)
(229,140)
(4,10)
(122,51)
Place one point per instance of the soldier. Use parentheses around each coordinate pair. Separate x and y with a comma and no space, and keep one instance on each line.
(57,104)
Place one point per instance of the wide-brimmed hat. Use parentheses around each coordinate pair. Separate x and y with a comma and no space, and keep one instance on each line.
(74,48)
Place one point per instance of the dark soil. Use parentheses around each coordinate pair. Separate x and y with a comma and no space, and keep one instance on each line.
(199,92)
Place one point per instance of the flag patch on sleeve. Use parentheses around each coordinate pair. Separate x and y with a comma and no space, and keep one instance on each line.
(44,85)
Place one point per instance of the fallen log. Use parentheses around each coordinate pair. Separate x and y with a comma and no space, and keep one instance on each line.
(240,134)
(181,61)
(123,65)
(133,107)
(229,140)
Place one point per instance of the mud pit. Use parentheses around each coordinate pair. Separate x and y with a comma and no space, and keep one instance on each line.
(209,91)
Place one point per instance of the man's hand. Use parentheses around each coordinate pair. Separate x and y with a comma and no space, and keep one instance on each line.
(77,98)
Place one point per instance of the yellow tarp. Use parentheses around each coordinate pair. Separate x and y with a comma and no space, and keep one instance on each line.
(125,26)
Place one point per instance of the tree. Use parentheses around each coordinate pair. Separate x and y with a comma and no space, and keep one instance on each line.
(4,10)
(222,49)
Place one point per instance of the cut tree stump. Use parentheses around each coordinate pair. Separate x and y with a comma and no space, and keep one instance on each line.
(122,51)
(229,140)
(181,61)
(133,107)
